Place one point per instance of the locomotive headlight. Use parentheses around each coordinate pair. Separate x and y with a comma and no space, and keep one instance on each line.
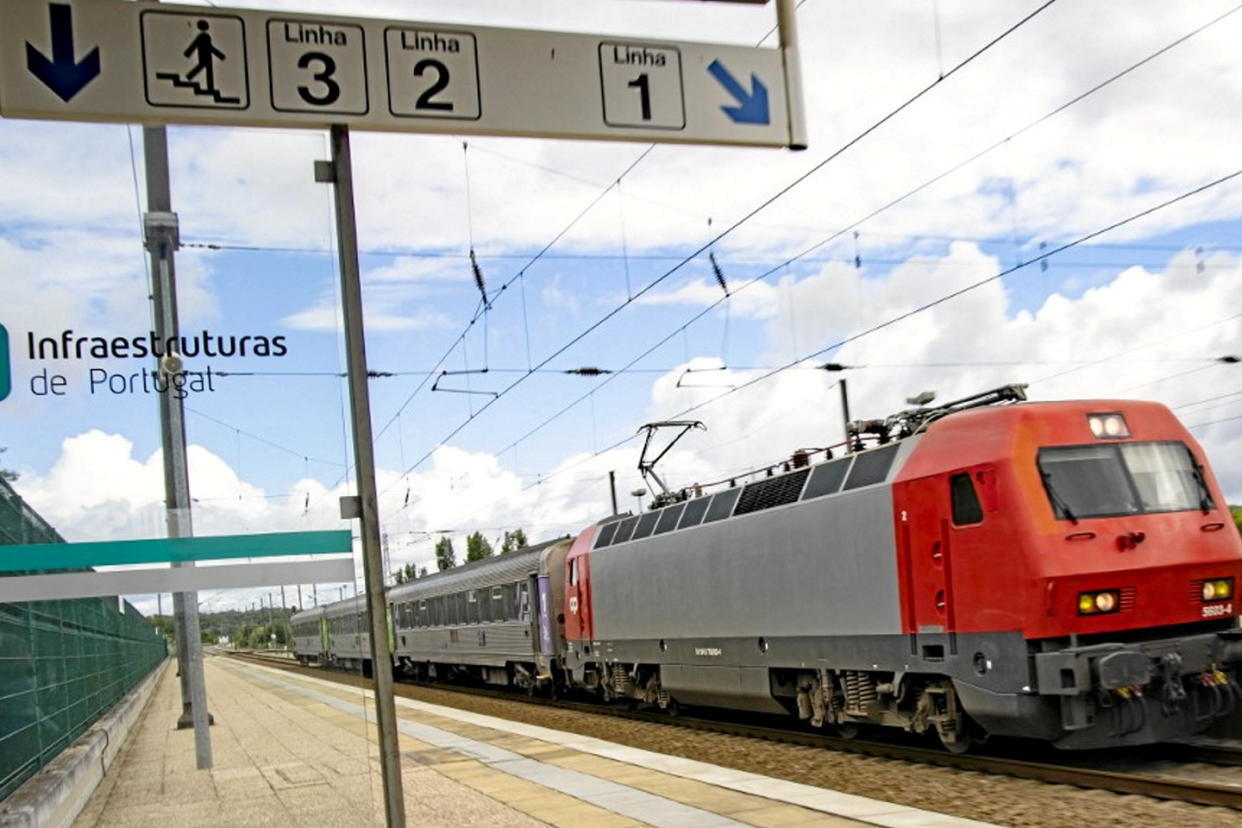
(1111,426)
(1218,590)
(1098,603)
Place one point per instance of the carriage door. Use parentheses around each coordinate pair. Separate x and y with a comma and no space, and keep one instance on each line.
(578,625)
(544,614)
(923,524)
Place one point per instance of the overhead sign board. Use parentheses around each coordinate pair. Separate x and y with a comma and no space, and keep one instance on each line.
(108,60)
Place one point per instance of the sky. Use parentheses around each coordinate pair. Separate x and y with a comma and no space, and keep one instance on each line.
(592,256)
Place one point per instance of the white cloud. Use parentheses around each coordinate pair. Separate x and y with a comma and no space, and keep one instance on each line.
(1155,333)
(384,310)
(756,302)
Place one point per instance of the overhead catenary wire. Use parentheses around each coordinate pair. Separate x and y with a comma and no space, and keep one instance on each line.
(799,179)
(1041,258)
(896,319)
(260,439)
(780,193)
(1128,245)
(926,306)
(520,273)
(1045,254)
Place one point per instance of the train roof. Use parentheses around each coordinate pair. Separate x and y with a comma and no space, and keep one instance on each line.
(498,569)
(308,615)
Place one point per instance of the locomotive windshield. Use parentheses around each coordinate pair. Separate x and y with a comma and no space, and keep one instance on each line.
(1110,479)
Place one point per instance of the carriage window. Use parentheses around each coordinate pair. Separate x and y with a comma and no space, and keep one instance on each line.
(966,509)
(523,603)
(511,601)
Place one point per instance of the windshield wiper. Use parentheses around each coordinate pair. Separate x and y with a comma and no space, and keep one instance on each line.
(1057,501)
(1205,496)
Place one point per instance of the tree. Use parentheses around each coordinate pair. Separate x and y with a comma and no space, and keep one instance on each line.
(512,541)
(446,558)
(1237,516)
(422,572)
(477,547)
(405,573)
(7,474)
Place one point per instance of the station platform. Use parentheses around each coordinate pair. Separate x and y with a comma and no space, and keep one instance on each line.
(296,750)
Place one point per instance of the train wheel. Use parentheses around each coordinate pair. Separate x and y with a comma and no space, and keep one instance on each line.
(963,743)
(673,708)
(849,730)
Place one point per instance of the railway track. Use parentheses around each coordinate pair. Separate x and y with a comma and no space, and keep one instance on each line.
(1068,769)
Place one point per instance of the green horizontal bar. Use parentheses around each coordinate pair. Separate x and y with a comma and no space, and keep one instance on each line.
(168,550)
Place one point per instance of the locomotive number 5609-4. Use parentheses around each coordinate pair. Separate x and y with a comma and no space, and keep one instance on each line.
(1217,610)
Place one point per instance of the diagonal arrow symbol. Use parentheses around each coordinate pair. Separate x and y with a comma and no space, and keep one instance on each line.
(752,106)
(62,74)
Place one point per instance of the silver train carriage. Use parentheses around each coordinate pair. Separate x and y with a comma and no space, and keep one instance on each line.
(310,636)
(494,620)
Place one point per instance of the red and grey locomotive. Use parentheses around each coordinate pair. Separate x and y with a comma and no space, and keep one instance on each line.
(1059,570)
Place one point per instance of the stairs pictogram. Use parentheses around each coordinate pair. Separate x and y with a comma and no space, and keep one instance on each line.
(177,81)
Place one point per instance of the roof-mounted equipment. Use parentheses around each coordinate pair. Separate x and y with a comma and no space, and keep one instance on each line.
(646,467)
(914,420)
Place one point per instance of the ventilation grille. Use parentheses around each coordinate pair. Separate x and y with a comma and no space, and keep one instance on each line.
(775,491)
(1129,599)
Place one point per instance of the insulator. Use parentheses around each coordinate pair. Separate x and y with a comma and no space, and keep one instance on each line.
(478,276)
(719,273)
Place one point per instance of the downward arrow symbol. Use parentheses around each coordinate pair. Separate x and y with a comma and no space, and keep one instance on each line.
(752,106)
(62,74)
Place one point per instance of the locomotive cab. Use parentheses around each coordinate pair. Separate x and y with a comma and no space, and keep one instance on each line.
(1079,557)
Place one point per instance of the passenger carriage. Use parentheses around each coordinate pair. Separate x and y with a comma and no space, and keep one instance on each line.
(490,620)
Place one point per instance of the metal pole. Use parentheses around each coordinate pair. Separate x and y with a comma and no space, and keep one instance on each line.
(315,593)
(301,608)
(340,172)
(787,24)
(612,487)
(845,411)
(162,239)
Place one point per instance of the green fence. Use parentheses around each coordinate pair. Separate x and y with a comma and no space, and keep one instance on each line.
(63,664)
